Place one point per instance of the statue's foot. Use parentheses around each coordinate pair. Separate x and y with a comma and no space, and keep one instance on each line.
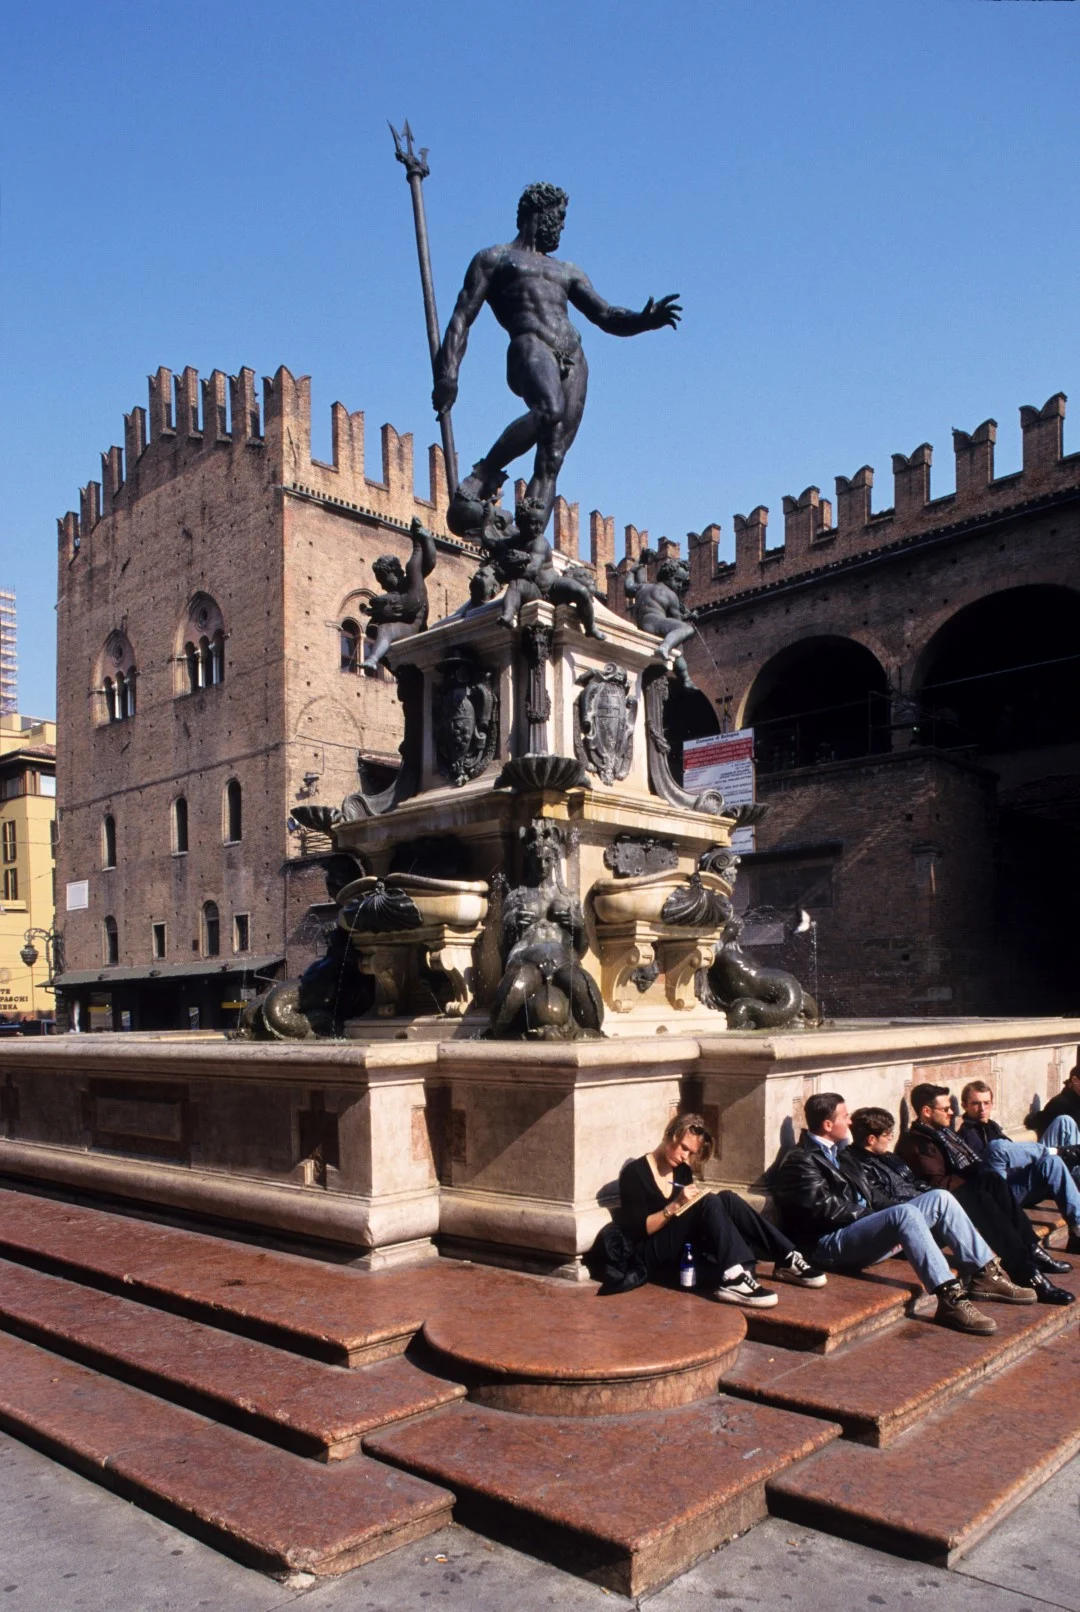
(507,621)
(594,632)
(482,483)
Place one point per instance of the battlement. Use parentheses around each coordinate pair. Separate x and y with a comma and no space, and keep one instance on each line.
(188,420)
(813,541)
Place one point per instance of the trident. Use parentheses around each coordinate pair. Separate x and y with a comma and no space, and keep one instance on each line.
(416,171)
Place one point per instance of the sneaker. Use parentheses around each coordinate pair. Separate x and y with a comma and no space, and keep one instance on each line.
(1043,1260)
(955,1309)
(793,1268)
(747,1290)
(1047,1293)
(992,1283)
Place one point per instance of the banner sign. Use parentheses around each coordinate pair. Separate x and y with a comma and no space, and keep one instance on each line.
(725,761)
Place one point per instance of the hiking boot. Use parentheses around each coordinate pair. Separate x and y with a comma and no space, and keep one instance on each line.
(745,1289)
(1047,1293)
(793,1268)
(992,1283)
(955,1309)
(1043,1260)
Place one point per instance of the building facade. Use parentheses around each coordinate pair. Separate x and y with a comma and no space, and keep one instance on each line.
(27,864)
(211,612)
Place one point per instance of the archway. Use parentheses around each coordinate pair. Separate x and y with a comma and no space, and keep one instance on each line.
(819,700)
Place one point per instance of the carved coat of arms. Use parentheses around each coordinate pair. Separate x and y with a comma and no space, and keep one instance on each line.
(465,713)
(604,723)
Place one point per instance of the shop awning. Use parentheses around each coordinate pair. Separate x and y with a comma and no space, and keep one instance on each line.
(149,973)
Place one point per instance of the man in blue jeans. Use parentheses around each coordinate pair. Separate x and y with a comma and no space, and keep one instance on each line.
(1058,1124)
(823,1214)
(1032,1170)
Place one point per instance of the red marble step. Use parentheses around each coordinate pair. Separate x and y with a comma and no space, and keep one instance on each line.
(821,1319)
(626,1501)
(879,1387)
(552,1348)
(314,1409)
(343,1316)
(941,1487)
(269,1508)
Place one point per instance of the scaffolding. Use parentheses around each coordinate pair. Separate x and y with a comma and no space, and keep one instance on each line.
(9,664)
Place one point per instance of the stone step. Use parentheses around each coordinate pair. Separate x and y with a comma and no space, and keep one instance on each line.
(879,1387)
(626,1501)
(824,1319)
(304,1405)
(944,1484)
(271,1509)
(342,1316)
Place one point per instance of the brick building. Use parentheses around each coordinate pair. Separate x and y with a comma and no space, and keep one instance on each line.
(209,616)
(912,676)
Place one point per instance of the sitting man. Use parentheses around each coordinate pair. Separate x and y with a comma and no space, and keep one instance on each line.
(834,1226)
(1058,1124)
(883,1179)
(931,1149)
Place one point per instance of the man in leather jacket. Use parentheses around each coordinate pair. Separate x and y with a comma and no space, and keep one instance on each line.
(934,1151)
(884,1179)
(821,1211)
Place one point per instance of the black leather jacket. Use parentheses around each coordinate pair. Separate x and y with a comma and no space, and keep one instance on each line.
(882,1178)
(812,1195)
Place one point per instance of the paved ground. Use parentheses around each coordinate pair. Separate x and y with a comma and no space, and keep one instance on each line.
(68,1546)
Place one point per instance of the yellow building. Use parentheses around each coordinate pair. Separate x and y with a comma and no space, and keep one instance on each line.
(27,861)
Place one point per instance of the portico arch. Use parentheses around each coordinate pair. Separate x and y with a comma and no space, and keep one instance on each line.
(822,699)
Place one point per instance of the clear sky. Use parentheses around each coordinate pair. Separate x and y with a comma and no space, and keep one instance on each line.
(869,207)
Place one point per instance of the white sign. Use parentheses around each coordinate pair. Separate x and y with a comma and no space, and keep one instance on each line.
(725,761)
(78,895)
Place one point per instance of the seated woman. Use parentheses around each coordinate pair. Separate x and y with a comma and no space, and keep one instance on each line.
(663,1209)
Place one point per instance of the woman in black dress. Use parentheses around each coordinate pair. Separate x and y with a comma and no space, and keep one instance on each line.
(663,1210)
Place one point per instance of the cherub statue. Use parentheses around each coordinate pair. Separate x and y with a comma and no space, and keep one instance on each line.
(401,610)
(659,608)
(521,556)
(544,993)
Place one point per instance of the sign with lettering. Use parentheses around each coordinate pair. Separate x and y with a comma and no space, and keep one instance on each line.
(725,761)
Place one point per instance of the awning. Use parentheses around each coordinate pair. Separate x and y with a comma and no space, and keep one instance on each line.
(148,973)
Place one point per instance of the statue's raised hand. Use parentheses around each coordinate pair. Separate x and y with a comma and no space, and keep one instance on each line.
(668,311)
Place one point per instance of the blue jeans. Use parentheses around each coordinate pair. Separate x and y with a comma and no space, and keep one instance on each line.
(918,1226)
(1033,1174)
(1061,1132)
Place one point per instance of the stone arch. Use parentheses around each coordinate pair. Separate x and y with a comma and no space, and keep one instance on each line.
(1003,673)
(116,679)
(822,698)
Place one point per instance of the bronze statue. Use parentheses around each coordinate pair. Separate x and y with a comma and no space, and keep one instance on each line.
(528,291)
(401,610)
(545,993)
(659,607)
(521,557)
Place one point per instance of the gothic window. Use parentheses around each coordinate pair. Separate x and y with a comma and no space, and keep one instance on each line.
(232,824)
(200,651)
(211,927)
(108,841)
(351,646)
(116,681)
(179,826)
(111,939)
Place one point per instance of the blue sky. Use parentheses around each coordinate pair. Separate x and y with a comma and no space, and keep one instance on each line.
(869,207)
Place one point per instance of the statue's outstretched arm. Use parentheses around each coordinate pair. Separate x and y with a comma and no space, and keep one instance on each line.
(470,300)
(621,321)
(421,561)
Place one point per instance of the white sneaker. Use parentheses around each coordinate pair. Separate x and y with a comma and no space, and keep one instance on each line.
(793,1268)
(745,1289)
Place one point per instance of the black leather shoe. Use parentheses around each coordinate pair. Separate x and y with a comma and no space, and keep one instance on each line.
(1047,1293)
(1043,1260)
(1069,1156)
(1073,1244)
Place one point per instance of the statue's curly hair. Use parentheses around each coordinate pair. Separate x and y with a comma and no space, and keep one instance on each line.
(672,571)
(540,198)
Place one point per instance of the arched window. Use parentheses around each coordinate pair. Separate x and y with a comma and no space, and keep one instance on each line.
(211,926)
(108,841)
(111,939)
(351,641)
(232,822)
(200,647)
(179,826)
(116,680)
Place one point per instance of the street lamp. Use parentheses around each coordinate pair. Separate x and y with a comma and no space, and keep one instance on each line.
(53,941)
